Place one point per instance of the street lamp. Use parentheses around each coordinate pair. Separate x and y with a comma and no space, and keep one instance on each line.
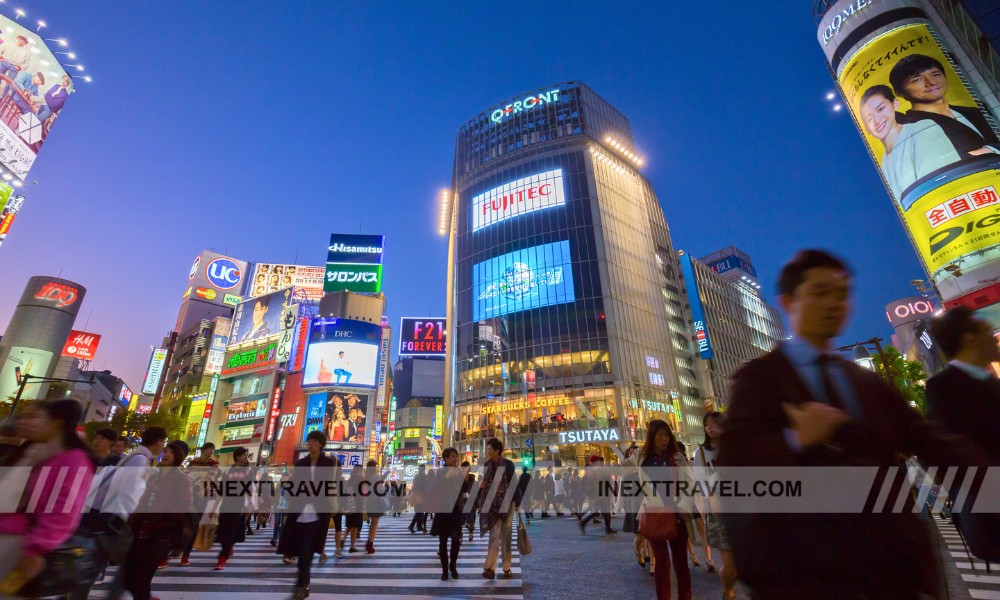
(8,426)
(863,358)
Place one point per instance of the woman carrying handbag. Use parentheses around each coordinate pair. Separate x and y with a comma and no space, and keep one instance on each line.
(660,520)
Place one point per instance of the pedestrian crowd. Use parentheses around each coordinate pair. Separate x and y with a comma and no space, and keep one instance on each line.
(799,405)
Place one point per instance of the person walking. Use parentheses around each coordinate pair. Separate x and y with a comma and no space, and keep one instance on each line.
(705,470)
(353,507)
(471,490)
(232,510)
(658,453)
(112,499)
(632,504)
(449,482)
(496,516)
(307,522)
(523,496)
(803,405)
(558,494)
(375,503)
(162,523)
(101,446)
(420,489)
(61,471)
(201,469)
(547,491)
(595,482)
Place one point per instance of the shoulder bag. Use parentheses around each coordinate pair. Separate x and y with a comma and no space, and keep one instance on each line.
(523,543)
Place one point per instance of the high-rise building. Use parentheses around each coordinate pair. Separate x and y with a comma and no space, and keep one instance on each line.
(567,330)
(738,325)
(921,80)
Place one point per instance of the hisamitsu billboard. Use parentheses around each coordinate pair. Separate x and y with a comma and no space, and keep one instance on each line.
(355,249)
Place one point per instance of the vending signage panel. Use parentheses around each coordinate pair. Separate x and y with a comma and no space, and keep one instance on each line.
(422,336)
(697,311)
(522,280)
(289,318)
(518,197)
(40,88)
(342,353)
(315,414)
(259,319)
(936,147)
(269,278)
(155,370)
(81,345)
(217,347)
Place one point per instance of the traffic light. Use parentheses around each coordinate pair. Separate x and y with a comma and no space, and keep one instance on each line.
(528,459)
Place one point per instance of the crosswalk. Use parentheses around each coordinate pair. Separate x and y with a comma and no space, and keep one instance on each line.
(982,585)
(405,566)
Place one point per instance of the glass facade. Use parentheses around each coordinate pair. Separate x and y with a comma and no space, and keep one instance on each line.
(565,307)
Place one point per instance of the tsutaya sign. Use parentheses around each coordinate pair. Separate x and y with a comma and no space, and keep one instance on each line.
(529,102)
(589,435)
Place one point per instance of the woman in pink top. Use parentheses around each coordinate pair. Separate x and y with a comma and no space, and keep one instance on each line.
(50,507)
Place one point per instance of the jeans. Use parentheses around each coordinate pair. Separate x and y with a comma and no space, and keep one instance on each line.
(501,533)
(304,534)
(279,519)
(673,551)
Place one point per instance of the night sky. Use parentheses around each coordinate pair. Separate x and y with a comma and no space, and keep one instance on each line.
(257,129)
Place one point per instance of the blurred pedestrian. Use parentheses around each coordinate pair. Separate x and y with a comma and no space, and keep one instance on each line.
(706,471)
(472,494)
(452,489)
(496,516)
(419,490)
(595,484)
(375,503)
(233,509)
(102,445)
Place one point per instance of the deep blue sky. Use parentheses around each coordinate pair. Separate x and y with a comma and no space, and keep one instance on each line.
(258,129)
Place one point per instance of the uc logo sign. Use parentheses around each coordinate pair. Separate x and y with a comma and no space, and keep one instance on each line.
(224,274)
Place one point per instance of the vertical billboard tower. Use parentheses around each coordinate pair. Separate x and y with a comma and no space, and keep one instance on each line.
(37,332)
(929,120)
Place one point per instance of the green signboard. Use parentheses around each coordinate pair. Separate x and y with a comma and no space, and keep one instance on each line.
(247,360)
(353,278)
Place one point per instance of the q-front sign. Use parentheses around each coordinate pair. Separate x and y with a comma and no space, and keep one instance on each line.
(528,103)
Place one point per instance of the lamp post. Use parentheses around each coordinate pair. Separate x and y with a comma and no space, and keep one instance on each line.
(864,359)
(23,382)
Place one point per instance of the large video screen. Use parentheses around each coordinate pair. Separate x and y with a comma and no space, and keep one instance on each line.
(522,280)
(342,353)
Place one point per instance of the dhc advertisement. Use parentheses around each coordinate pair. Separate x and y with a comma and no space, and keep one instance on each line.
(342,353)
(522,280)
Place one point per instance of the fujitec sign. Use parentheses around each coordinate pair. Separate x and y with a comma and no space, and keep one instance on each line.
(518,197)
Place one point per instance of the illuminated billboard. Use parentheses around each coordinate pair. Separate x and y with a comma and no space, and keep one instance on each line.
(125,395)
(354,263)
(242,361)
(154,371)
(30,361)
(699,328)
(342,353)
(518,197)
(522,280)
(217,347)
(259,319)
(8,214)
(82,345)
(422,336)
(269,278)
(935,145)
(35,89)
(217,278)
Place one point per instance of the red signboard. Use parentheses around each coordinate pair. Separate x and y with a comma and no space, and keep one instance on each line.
(300,345)
(82,345)
(58,294)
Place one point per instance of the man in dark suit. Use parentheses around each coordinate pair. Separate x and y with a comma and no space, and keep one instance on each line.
(307,522)
(923,81)
(803,406)
(965,398)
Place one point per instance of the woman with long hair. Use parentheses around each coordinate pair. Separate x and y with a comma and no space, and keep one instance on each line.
(450,479)
(660,452)
(697,523)
(704,463)
(162,522)
(47,515)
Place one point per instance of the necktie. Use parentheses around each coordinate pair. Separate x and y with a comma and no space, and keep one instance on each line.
(826,363)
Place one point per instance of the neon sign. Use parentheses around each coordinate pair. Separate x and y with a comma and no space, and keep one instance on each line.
(528,103)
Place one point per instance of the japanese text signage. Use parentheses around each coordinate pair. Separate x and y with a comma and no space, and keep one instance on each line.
(249,360)
(354,263)
(82,345)
(422,336)
(518,197)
